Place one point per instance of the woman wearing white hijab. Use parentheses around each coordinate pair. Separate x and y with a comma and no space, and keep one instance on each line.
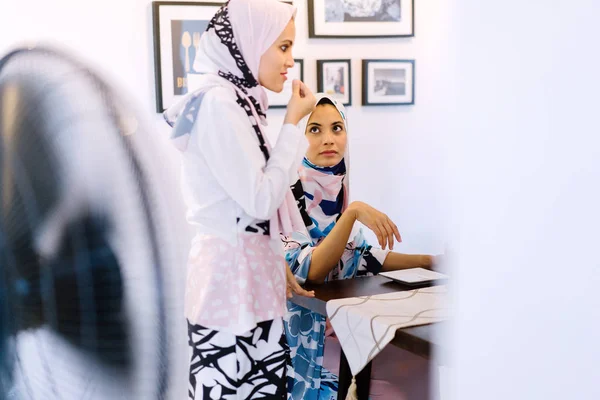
(237,192)
(333,248)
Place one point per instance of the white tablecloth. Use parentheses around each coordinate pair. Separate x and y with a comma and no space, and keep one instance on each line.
(365,325)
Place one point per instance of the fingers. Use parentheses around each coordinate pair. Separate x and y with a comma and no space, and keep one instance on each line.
(385,235)
(296,87)
(300,291)
(302,89)
(386,230)
(381,238)
(390,233)
(305,293)
(376,229)
(396,232)
(305,90)
(381,225)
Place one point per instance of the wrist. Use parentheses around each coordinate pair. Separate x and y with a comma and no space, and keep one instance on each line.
(291,119)
(351,212)
(355,206)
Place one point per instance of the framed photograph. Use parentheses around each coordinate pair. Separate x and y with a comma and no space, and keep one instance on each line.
(334,78)
(178,27)
(388,82)
(360,18)
(280,100)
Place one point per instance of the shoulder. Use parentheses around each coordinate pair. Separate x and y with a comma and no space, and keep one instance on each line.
(220,95)
(220,105)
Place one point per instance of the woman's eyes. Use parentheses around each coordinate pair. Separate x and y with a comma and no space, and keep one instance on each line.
(335,129)
(284,48)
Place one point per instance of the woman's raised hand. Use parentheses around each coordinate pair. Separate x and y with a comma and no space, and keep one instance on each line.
(301,104)
(378,222)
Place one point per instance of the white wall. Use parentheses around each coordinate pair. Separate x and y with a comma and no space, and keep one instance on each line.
(526,151)
(396,151)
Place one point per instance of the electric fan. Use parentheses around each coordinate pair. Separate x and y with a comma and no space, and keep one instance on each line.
(89,229)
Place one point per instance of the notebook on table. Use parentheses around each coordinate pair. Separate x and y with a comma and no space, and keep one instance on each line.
(414,276)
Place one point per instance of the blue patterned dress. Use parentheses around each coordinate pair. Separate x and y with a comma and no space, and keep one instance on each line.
(305,330)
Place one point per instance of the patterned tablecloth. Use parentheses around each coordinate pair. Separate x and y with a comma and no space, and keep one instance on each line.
(365,325)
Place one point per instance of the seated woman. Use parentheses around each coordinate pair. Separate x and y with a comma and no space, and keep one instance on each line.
(334,250)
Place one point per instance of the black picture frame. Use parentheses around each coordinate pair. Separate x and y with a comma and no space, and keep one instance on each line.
(317,24)
(401,91)
(165,74)
(324,87)
(280,100)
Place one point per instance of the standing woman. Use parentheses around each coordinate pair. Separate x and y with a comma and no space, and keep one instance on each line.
(237,191)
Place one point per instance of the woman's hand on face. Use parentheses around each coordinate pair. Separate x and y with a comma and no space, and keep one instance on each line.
(293,287)
(301,104)
(378,222)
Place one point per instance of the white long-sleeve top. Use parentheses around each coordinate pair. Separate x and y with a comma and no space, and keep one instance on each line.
(224,173)
(235,279)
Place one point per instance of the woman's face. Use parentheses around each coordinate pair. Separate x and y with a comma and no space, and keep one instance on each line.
(326,134)
(274,63)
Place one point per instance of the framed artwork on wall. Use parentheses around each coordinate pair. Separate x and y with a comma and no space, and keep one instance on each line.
(360,18)
(178,27)
(334,77)
(388,82)
(280,100)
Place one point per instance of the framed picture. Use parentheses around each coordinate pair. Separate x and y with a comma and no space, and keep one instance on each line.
(334,78)
(178,27)
(360,18)
(280,100)
(388,82)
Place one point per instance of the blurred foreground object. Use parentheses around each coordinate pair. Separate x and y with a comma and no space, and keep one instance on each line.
(85,238)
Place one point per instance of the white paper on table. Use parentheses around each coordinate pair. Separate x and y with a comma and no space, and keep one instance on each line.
(413,275)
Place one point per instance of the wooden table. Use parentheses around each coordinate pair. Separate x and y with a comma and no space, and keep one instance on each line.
(422,340)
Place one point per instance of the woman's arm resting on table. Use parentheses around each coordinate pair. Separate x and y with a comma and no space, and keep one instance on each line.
(395,261)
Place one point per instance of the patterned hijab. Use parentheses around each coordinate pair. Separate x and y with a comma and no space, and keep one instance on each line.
(322,192)
(229,53)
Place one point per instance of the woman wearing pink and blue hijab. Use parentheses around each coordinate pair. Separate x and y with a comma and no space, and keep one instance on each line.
(334,248)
